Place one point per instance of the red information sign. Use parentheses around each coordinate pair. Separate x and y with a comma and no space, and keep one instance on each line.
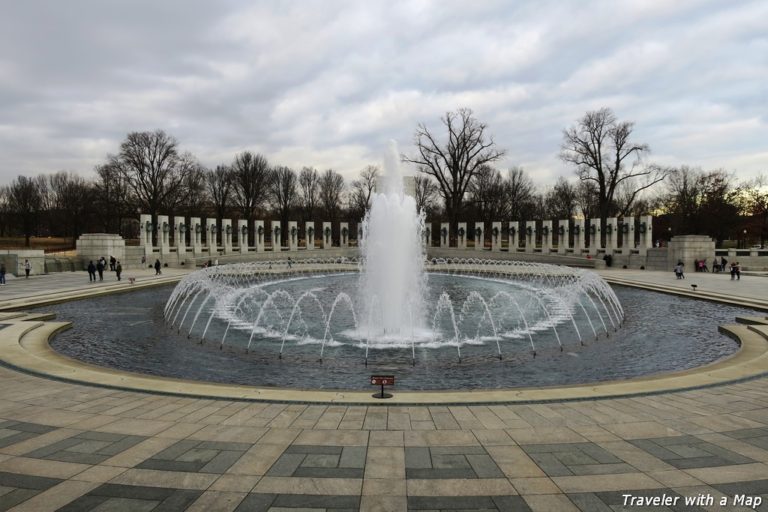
(382,380)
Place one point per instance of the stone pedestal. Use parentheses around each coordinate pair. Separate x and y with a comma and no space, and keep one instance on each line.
(92,246)
(688,248)
(260,234)
(479,236)
(513,233)
(180,236)
(226,235)
(242,236)
(309,234)
(327,235)
(277,236)
(293,235)
(164,234)
(461,235)
(145,233)
(344,234)
(196,235)
(530,235)
(579,236)
(646,234)
(563,229)
(445,235)
(211,237)
(546,236)
(611,235)
(496,236)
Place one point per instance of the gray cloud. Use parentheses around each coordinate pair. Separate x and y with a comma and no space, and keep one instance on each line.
(326,83)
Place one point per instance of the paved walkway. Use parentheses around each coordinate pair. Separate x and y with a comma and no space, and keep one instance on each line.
(79,448)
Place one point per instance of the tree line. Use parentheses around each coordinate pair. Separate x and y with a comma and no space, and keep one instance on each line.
(457,180)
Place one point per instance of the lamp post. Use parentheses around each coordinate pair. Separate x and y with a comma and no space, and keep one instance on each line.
(745,239)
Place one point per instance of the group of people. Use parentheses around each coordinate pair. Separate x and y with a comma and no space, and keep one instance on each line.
(3,271)
(101,265)
(720,265)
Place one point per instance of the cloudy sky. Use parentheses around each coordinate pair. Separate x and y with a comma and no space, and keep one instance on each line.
(327,83)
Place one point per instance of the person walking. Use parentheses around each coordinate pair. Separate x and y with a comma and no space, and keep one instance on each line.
(679,270)
(737,270)
(157,268)
(112,262)
(100,269)
(2,274)
(91,271)
(27,268)
(118,269)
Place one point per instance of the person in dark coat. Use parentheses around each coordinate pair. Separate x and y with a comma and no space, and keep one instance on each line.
(157,268)
(112,262)
(100,270)
(118,269)
(91,271)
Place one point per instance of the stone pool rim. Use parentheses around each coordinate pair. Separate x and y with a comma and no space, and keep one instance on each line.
(24,344)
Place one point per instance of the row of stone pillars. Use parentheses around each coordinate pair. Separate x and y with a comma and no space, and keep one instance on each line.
(570,236)
(172,236)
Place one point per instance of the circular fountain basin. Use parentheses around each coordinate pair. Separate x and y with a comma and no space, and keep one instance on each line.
(659,333)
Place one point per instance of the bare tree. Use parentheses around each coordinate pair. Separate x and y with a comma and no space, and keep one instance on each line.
(73,201)
(455,162)
(425,194)
(154,170)
(113,198)
(362,190)
(521,194)
(755,198)
(560,202)
(330,191)
(489,195)
(251,175)
(5,211)
(600,148)
(283,191)
(25,201)
(219,186)
(309,186)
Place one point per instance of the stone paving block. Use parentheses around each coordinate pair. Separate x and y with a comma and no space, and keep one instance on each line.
(450,502)
(550,464)
(449,461)
(589,502)
(484,467)
(286,464)
(353,457)
(440,473)
(329,472)
(417,458)
(314,450)
(317,460)
(316,501)
(221,462)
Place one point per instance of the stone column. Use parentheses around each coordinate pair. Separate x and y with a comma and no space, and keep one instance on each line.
(293,235)
(646,234)
(530,235)
(579,236)
(180,236)
(627,235)
(196,235)
(461,236)
(514,236)
(563,230)
(164,234)
(212,238)
(145,233)
(327,235)
(445,235)
(259,234)
(479,236)
(611,235)
(277,236)
(344,234)
(546,236)
(594,235)
(309,235)
(226,235)
(496,236)
(242,235)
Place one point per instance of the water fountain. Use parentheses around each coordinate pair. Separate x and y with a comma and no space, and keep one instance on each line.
(392,300)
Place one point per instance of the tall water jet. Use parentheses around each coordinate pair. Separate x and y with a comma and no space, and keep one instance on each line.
(392,280)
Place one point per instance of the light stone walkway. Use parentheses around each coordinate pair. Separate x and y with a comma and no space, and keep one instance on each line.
(80,448)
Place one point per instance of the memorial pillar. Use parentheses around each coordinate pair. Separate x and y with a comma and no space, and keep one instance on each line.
(293,235)
(309,235)
(479,236)
(514,236)
(563,230)
(646,234)
(611,235)
(530,235)
(260,235)
(461,236)
(546,236)
(627,235)
(242,236)
(180,236)
(211,237)
(496,236)
(344,234)
(579,236)
(145,233)
(445,235)
(226,235)
(196,235)
(327,235)
(277,233)
(594,236)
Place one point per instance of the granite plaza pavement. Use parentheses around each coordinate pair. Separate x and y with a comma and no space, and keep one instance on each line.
(75,447)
